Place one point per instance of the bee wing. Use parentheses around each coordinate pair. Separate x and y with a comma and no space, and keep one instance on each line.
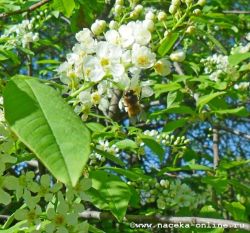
(142,116)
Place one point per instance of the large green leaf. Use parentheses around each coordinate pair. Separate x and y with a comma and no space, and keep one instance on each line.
(48,126)
(207,98)
(237,210)
(240,111)
(154,146)
(189,167)
(167,43)
(163,88)
(126,144)
(218,183)
(110,193)
(130,174)
(235,59)
(172,125)
(64,6)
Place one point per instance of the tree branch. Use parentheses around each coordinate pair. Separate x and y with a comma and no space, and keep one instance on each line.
(114,112)
(156,219)
(216,146)
(236,12)
(236,132)
(167,219)
(29,9)
(178,68)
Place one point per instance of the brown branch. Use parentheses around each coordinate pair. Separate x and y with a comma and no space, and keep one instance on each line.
(236,12)
(236,132)
(216,146)
(29,9)
(178,68)
(157,219)
(114,112)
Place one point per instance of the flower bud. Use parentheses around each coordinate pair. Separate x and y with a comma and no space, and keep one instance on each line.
(138,8)
(162,16)
(178,56)
(162,183)
(134,14)
(197,12)
(190,30)
(162,67)
(119,2)
(149,24)
(172,9)
(189,2)
(166,33)
(113,24)
(176,3)
(118,9)
(150,15)
(201,2)
(98,27)
(161,204)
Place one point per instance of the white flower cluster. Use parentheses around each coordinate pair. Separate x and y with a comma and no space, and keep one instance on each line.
(166,139)
(105,146)
(166,194)
(242,86)
(240,48)
(21,34)
(176,194)
(216,65)
(114,59)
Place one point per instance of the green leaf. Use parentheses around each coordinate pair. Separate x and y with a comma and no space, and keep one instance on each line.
(171,98)
(27,51)
(225,164)
(163,88)
(190,167)
(209,212)
(217,43)
(172,125)
(110,157)
(48,126)
(235,59)
(126,144)
(154,146)
(64,6)
(48,61)
(113,191)
(240,111)
(207,98)
(16,228)
(95,127)
(245,67)
(93,229)
(237,210)
(218,183)
(132,175)
(167,43)
(181,109)
(240,186)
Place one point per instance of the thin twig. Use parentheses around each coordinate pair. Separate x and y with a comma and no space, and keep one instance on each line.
(216,146)
(178,68)
(29,9)
(236,132)
(114,112)
(236,12)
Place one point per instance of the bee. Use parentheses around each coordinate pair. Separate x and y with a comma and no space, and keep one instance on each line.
(131,101)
